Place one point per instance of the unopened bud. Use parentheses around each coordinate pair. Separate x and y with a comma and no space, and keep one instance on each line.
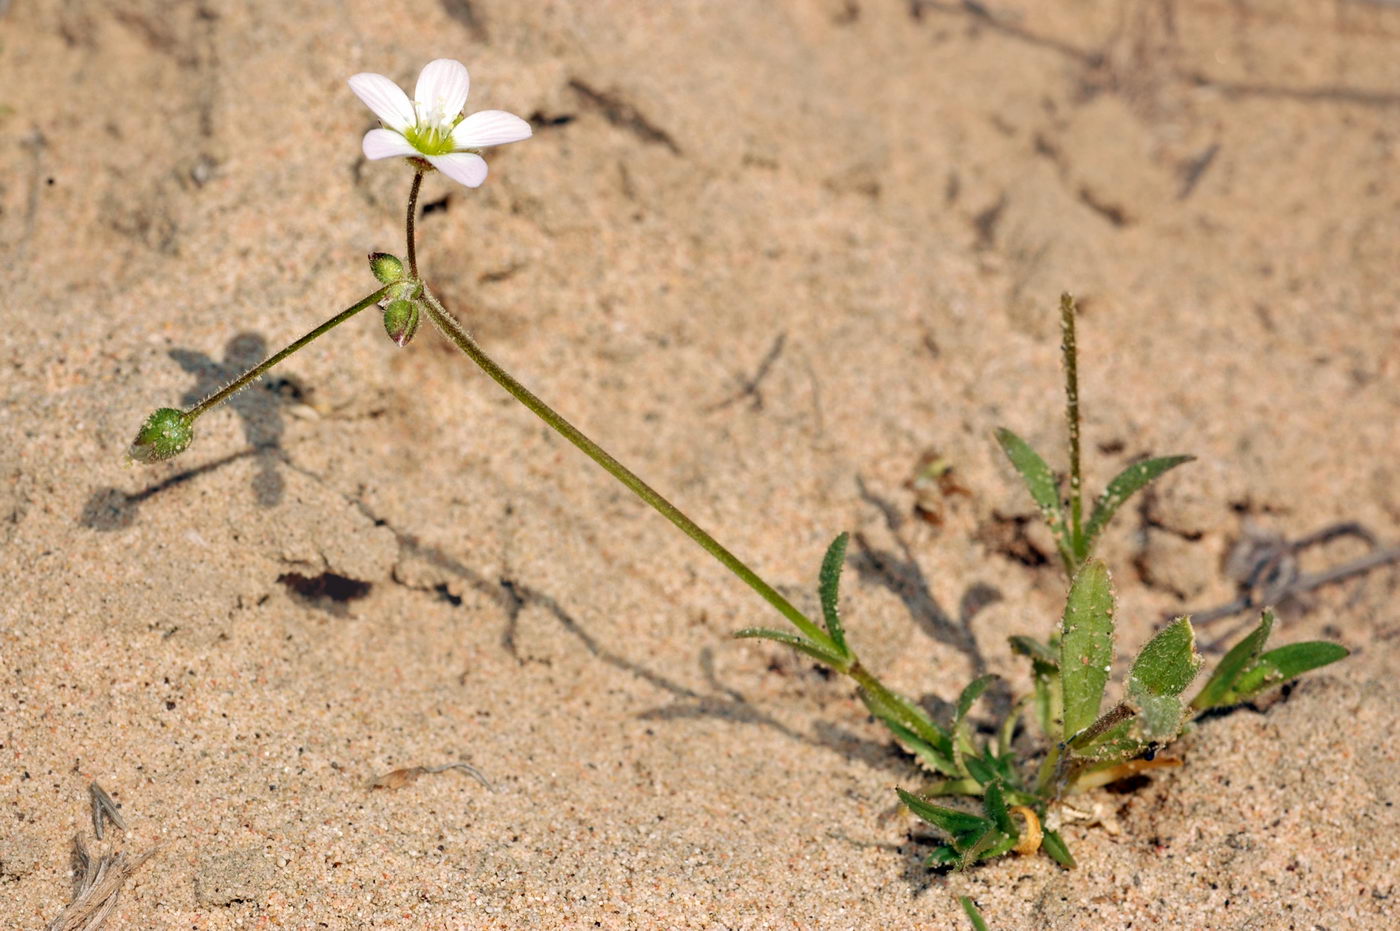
(165,434)
(401,321)
(387,268)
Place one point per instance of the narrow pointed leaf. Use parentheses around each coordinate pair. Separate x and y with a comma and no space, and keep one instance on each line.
(1040,482)
(1039,653)
(1128,482)
(994,804)
(1220,689)
(821,654)
(931,757)
(891,707)
(992,845)
(1086,646)
(960,824)
(973,914)
(830,587)
(979,770)
(1054,845)
(944,855)
(962,741)
(1278,666)
(970,694)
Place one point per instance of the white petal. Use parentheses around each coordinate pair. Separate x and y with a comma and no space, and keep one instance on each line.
(385,98)
(442,88)
(385,143)
(462,167)
(489,127)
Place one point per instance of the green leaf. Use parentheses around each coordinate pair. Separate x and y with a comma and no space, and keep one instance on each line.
(931,756)
(1161,672)
(1045,669)
(945,855)
(970,694)
(994,804)
(1040,482)
(1159,716)
(973,914)
(1220,689)
(980,770)
(1054,845)
(829,584)
(1168,662)
(965,829)
(1278,666)
(818,653)
(1086,646)
(894,709)
(1128,482)
(1039,653)
(962,741)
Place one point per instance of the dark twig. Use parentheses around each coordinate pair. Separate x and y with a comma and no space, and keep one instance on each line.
(1268,573)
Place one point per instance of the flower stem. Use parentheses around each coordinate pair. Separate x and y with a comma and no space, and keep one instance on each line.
(243,380)
(412,211)
(1070,354)
(463,340)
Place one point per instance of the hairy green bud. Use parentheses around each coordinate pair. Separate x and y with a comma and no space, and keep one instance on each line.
(165,434)
(401,321)
(387,268)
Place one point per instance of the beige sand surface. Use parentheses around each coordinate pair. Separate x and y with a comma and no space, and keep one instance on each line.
(893,193)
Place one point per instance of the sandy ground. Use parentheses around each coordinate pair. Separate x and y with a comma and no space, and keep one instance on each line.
(774,256)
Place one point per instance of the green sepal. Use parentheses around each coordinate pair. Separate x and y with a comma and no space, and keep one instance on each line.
(1086,646)
(165,434)
(385,267)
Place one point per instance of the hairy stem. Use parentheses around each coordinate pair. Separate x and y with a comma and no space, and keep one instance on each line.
(1076,496)
(412,211)
(242,381)
(463,341)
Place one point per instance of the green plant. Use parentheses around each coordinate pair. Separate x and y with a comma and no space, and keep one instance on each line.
(1069,671)
(1086,746)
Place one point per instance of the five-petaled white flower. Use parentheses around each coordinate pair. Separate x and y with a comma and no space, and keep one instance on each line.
(431,125)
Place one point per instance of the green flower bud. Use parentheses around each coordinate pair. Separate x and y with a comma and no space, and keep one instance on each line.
(165,434)
(387,268)
(401,321)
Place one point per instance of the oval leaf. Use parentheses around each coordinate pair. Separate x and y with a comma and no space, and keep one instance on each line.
(1086,646)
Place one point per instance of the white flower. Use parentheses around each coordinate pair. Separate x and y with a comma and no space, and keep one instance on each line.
(431,125)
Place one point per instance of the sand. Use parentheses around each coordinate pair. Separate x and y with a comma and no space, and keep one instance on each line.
(774,256)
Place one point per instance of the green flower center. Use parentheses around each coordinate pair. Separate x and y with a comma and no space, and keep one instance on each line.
(433,139)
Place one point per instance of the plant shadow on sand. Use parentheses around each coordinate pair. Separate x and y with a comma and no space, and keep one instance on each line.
(260,409)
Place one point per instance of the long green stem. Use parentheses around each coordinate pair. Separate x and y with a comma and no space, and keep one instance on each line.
(1070,353)
(242,381)
(463,340)
(412,215)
